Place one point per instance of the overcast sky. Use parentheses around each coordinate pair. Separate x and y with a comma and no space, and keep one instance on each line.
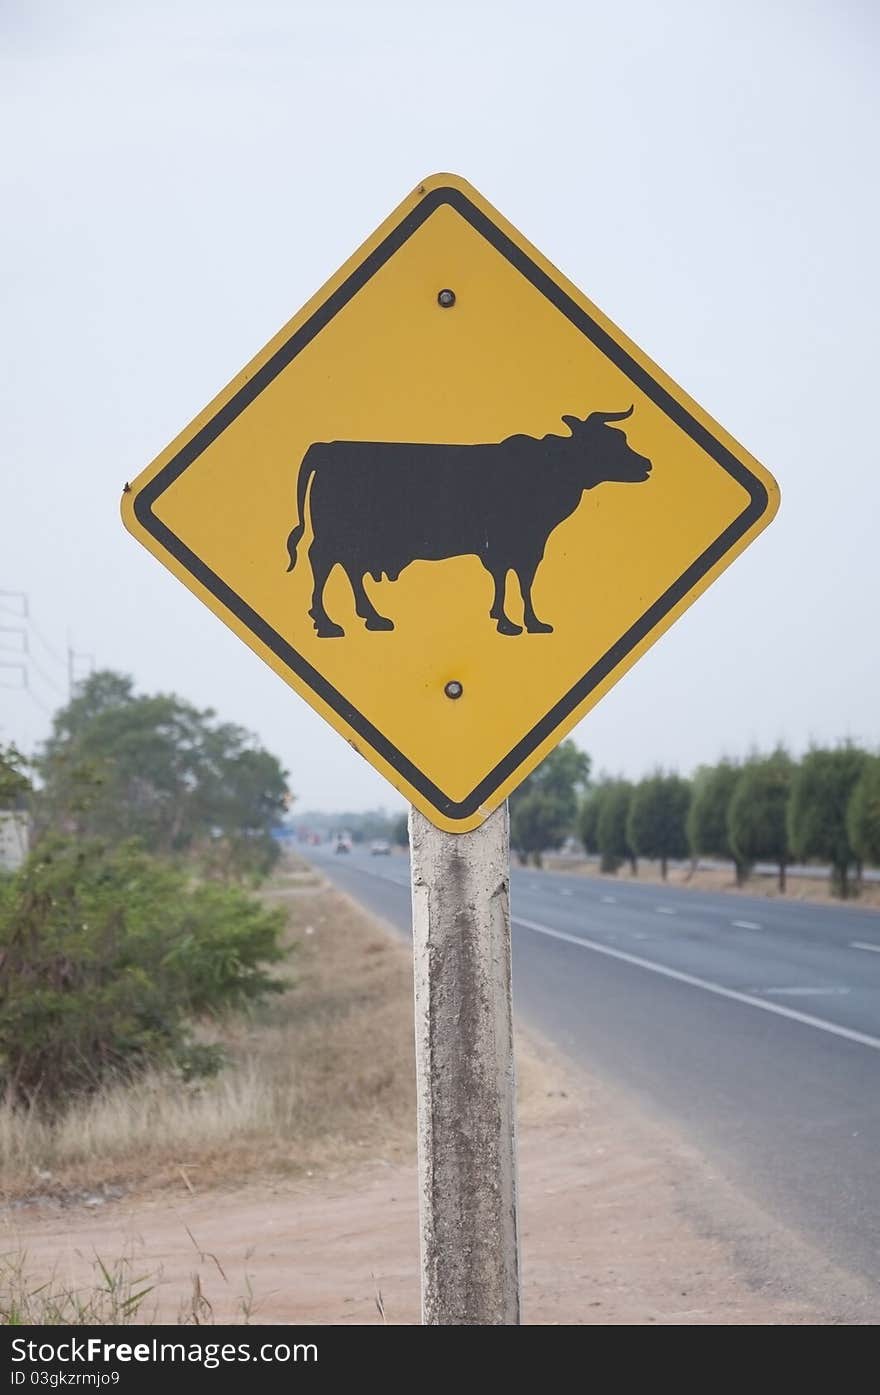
(177,178)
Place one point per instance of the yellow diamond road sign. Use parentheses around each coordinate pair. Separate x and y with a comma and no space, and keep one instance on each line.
(450,503)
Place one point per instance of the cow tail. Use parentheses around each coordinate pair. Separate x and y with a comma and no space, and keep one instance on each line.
(306,471)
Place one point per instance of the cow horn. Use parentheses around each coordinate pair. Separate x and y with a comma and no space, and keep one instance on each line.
(610,416)
(573,423)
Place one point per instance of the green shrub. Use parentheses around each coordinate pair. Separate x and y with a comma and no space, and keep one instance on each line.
(756,817)
(821,789)
(656,822)
(863,813)
(611,837)
(713,790)
(108,958)
(544,808)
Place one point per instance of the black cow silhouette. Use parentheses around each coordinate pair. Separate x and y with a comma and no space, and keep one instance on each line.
(376,506)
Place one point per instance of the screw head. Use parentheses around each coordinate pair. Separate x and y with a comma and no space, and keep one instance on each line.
(446,298)
(453,689)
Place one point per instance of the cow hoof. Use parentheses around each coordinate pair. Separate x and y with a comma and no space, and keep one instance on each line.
(326,629)
(379,622)
(538,627)
(507,627)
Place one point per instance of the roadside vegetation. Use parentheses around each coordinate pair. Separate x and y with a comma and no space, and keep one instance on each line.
(131,937)
(168,1012)
(543,809)
(176,1008)
(297,1092)
(119,765)
(823,809)
(115,1296)
(110,961)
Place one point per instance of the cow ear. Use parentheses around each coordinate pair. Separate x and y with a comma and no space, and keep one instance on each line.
(572,423)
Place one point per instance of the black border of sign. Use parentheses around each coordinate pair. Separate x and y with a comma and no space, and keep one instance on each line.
(146,498)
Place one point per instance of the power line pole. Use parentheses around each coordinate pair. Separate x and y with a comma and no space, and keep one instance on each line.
(73,657)
(16,605)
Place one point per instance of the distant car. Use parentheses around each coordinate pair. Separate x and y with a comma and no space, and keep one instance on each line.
(379,848)
(343,845)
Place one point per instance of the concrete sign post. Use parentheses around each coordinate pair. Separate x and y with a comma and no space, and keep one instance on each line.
(450,503)
(464,1072)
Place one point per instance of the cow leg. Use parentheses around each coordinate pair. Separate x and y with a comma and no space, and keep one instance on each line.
(505,626)
(365,608)
(526,576)
(322,566)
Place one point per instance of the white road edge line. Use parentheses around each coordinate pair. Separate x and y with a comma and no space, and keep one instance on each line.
(791,1013)
(860,944)
(664,910)
(746,924)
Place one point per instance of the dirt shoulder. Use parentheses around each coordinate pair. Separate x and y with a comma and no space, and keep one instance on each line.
(621,1223)
(812,889)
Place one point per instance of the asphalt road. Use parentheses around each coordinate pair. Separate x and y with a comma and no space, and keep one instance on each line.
(752,1025)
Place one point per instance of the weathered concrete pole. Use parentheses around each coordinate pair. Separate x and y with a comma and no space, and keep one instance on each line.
(464,1071)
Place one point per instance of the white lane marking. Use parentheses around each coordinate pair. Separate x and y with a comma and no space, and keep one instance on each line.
(804,992)
(610,900)
(860,944)
(746,924)
(664,910)
(368,872)
(564,891)
(791,1013)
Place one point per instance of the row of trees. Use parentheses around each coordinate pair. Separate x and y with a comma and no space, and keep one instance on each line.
(543,809)
(770,808)
(128,925)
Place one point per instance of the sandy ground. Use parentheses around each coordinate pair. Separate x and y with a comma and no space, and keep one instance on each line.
(621,1224)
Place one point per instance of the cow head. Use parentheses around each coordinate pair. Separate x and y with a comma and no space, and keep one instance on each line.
(603,453)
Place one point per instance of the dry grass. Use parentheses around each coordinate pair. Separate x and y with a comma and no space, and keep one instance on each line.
(324,1072)
(115,1296)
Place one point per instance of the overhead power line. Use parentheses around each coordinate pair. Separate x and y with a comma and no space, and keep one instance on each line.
(74,663)
(49,648)
(14,603)
(46,677)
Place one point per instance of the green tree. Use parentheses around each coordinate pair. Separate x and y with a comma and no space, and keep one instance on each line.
(544,807)
(107,960)
(712,790)
(657,817)
(757,819)
(821,790)
(400,831)
(863,813)
(15,785)
(119,766)
(611,831)
(588,816)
